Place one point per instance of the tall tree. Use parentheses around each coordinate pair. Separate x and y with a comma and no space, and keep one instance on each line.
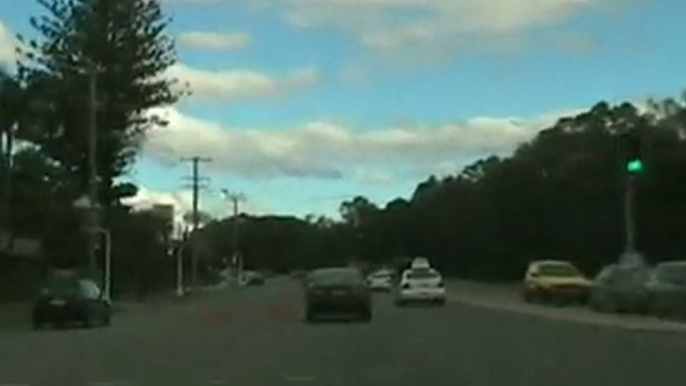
(122,47)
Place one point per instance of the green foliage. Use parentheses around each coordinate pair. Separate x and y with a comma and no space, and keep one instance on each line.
(123,45)
(558,196)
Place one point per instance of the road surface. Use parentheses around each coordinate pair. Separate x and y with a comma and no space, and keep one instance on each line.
(255,336)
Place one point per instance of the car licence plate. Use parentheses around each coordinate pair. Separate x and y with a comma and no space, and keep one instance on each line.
(57,302)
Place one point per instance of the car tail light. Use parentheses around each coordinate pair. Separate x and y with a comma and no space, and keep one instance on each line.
(440,284)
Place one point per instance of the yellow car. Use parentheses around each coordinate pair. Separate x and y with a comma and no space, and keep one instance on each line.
(555,281)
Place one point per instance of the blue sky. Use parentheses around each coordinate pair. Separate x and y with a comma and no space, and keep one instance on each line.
(303,103)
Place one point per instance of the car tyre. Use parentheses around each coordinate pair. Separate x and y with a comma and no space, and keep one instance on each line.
(106,319)
(37,324)
(310,316)
(366,315)
(87,322)
(440,302)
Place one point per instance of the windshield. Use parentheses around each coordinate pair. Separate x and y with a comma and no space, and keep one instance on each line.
(558,270)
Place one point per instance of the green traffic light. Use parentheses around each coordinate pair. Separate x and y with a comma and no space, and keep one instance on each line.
(634,166)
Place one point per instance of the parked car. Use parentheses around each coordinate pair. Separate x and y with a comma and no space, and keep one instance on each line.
(621,288)
(667,290)
(337,291)
(67,300)
(420,263)
(381,280)
(555,281)
(420,285)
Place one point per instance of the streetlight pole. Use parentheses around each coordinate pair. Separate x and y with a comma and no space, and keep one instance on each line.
(93,214)
(108,262)
(235,200)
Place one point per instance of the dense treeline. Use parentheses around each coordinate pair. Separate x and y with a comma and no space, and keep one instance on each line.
(90,63)
(561,195)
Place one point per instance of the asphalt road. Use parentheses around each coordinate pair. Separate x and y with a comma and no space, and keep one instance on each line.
(255,336)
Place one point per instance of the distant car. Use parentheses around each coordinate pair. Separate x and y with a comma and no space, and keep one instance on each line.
(337,291)
(555,281)
(250,278)
(621,288)
(420,263)
(67,300)
(423,285)
(667,290)
(380,280)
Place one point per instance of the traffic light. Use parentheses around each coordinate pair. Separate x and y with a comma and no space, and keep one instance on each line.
(634,161)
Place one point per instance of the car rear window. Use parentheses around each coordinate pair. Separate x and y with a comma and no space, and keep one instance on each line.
(64,288)
(336,276)
(558,270)
(422,274)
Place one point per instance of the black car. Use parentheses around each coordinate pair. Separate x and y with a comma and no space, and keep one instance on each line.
(337,291)
(63,301)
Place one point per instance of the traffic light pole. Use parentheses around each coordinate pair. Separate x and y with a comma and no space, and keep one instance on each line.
(629,216)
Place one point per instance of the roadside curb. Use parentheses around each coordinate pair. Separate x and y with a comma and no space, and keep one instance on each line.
(600,320)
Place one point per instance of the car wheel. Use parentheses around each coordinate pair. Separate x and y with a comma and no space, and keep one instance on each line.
(37,324)
(528,296)
(440,302)
(87,321)
(398,303)
(366,315)
(310,317)
(106,319)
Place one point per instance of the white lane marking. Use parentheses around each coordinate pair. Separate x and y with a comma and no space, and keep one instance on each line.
(299,379)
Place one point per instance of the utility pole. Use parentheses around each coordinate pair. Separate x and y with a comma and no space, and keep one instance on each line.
(235,199)
(93,220)
(195,162)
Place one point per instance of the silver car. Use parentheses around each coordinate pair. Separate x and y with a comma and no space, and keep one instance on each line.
(621,288)
(667,290)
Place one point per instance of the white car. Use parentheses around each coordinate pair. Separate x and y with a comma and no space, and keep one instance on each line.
(380,281)
(420,263)
(420,285)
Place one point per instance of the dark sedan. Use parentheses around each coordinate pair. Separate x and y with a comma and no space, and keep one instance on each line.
(64,301)
(337,291)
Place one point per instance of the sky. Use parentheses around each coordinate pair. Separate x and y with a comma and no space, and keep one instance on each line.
(301,104)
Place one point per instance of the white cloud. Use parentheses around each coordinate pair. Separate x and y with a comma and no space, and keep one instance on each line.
(8,44)
(146,198)
(398,24)
(213,41)
(322,149)
(240,84)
